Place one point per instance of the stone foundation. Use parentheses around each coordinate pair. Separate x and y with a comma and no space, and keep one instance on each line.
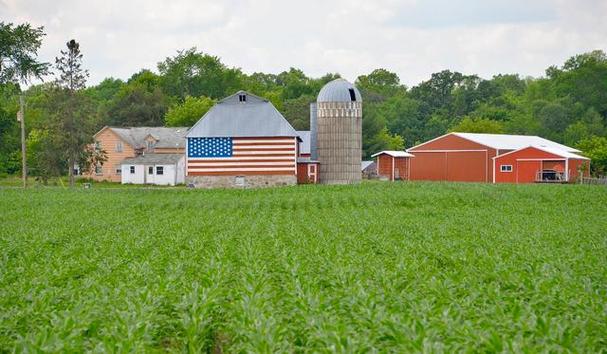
(258,181)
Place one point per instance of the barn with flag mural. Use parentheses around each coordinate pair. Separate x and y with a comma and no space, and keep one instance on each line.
(243,141)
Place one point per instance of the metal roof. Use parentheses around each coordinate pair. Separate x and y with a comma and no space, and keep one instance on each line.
(366,164)
(338,90)
(256,117)
(513,142)
(304,135)
(165,137)
(394,153)
(551,150)
(153,159)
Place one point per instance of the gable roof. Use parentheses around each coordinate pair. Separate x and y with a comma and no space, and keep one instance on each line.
(550,150)
(256,117)
(153,159)
(304,135)
(165,137)
(394,153)
(503,141)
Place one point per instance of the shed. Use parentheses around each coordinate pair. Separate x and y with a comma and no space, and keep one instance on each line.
(394,165)
(468,157)
(534,164)
(159,169)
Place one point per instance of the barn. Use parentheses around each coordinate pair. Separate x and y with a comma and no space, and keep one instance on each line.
(539,164)
(393,165)
(469,157)
(243,141)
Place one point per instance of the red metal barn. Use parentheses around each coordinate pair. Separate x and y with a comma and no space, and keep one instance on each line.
(307,168)
(536,164)
(468,157)
(394,165)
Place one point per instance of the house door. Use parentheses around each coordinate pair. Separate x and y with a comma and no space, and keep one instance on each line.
(149,175)
(312,172)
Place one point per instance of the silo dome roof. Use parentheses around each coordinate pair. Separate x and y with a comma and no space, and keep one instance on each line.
(339,90)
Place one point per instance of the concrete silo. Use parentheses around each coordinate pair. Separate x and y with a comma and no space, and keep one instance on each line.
(338,132)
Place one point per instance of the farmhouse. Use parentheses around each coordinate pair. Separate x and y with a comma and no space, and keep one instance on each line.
(129,142)
(470,157)
(160,169)
(393,165)
(243,141)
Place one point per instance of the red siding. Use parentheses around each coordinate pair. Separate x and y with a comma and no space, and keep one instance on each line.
(393,168)
(307,172)
(526,163)
(452,158)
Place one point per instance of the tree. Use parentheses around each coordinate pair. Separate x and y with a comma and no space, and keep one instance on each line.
(379,85)
(73,109)
(478,125)
(193,73)
(596,149)
(189,112)
(135,105)
(18,51)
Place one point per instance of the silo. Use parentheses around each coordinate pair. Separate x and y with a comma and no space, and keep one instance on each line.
(339,133)
(313,132)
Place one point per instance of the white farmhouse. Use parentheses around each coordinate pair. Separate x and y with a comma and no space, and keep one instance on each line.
(159,169)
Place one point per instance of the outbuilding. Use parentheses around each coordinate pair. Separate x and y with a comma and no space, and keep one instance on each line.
(393,165)
(159,169)
(469,157)
(539,165)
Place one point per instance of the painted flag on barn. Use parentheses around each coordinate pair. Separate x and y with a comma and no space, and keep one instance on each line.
(246,156)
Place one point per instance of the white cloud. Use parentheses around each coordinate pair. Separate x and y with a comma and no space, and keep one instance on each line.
(412,38)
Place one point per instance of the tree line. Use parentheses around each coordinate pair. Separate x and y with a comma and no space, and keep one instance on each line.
(567,105)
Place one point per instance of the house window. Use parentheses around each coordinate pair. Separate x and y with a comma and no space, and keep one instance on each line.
(119,146)
(151,170)
(505,168)
(132,169)
(352,95)
(150,145)
(98,170)
(118,170)
(97,145)
(159,170)
(242,98)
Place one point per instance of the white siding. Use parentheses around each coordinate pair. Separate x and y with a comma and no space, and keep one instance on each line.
(172,174)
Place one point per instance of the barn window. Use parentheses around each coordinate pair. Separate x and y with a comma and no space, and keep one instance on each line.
(132,169)
(239,181)
(242,98)
(159,170)
(352,95)
(151,170)
(505,168)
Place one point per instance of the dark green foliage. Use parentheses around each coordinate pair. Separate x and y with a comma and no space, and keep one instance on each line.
(382,267)
(18,51)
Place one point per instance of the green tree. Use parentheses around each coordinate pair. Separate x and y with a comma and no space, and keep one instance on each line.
(596,149)
(135,105)
(18,51)
(193,73)
(379,85)
(478,125)
(189,112)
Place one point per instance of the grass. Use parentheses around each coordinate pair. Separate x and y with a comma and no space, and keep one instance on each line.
(378,267)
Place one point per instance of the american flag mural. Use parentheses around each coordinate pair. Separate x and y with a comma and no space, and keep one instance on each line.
(241,156)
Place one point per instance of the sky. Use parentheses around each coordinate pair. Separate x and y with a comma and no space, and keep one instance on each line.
(412,38)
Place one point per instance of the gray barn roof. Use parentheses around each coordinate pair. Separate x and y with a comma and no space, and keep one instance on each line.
(166,137)
(153,159)
(304,135)
(256,117)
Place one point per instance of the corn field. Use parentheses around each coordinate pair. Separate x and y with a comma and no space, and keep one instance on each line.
(380,267)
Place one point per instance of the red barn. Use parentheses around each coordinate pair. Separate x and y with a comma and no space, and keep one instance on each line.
(469,157)
(539,164)
(394,165)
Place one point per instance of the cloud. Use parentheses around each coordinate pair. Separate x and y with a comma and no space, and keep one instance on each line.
(410,37)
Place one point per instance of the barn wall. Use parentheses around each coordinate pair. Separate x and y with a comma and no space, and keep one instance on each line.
(452,158)
(231,181)
(108,140)
(384,167)
(524,167)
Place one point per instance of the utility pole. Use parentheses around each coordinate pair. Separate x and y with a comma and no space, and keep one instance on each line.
(21,118)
